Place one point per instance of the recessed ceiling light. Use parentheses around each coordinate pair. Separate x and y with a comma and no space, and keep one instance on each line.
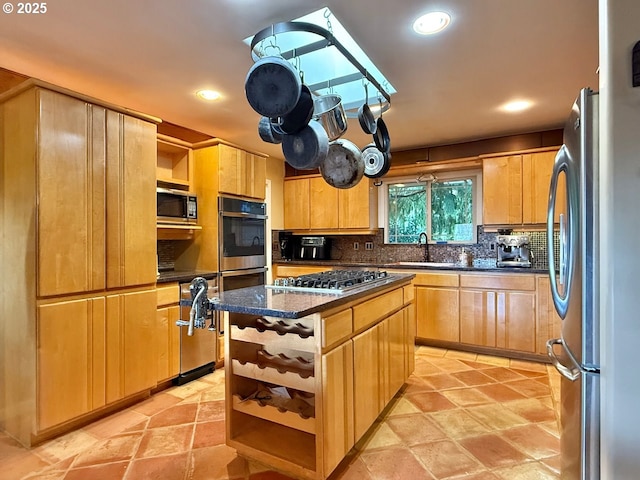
(208,94)
(516,106)
(432,22)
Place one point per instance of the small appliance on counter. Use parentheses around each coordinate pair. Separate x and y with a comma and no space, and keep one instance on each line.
(513,251)
(286,242)
(313,248)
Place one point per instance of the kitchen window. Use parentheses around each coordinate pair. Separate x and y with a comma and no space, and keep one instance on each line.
(447,207)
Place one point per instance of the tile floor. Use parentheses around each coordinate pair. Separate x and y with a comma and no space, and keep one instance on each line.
(461,415)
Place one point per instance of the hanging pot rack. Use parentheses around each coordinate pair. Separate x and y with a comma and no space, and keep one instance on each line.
(327,39)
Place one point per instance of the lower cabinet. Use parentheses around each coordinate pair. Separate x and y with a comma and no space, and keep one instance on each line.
(92,352)
(168,333)
(343,380)
(548,322)
(437,311)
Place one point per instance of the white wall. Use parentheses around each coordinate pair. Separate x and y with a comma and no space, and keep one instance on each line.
(619,234)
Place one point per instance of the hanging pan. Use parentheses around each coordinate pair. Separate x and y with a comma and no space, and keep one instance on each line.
(272,86)
(376,163)
(365,115)
(267,132)
(381,135)
(299,117)
(343,166)
(306,149)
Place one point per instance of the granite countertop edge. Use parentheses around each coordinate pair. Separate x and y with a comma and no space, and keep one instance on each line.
(393,265)
(244,300)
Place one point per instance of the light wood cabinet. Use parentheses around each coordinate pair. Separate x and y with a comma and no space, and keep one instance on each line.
(548,322)
(515,188)
(70,360)
(354,376)
(78,190)
(168,333)
(174,165)
(498,311)
(240,172)
(311,204)
(297,199)
(438,311)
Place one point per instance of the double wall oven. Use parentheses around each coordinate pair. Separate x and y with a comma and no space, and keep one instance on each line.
(242,232)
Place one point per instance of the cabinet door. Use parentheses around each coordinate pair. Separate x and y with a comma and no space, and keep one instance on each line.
(230,171)
(131,201)
(366,382)
(168,344)
(71,215)
(410,331)
(516,321)
(438,312)
(396,338)
(478,317)
(323,205)
(548,322)
(536,179)
(356,208)
(296,204)
(337,404)
(131,343)
(502,190)
(71,367)
(258,179)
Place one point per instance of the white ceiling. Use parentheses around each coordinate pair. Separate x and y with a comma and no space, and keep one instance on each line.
(152,55)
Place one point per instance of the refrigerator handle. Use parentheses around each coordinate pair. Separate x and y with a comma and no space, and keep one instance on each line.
(572,373)
(563,246)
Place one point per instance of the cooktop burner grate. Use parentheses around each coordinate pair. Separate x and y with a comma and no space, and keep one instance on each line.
(331,281)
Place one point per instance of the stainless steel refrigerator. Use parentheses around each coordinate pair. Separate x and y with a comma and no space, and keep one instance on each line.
(574,289)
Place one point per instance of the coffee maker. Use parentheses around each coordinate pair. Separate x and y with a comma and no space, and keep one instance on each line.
(313,248)
(513,251)
(286,241)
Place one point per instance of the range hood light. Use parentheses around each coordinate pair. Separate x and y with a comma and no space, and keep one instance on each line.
(431,23)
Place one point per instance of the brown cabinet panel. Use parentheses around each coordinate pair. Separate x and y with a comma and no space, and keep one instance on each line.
(168,344)
(396,339)
(296,204)
(502,190)
(515,326)
(548,322)
(536,179)
(366,371)
(438,312)
(70,360)
(357,206)
(70,195)
(478,317)
(323,205)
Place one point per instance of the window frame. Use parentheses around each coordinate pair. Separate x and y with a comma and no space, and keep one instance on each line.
(427,180)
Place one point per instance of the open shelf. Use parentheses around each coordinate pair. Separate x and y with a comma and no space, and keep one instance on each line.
(274,414)
(272,375)
(173,165)
(270,337)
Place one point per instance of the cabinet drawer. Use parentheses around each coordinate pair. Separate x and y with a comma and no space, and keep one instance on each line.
(409,293)
(437,279)
(337,327)
(168,294)
(373,310)
(502,282)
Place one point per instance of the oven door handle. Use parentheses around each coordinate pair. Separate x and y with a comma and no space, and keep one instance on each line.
(243,215)
(237,273)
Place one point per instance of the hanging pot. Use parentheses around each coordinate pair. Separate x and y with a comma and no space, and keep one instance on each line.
(306,149)
(266,131)
(365,115)
(343,166)
(299,117)
(272,86)
(376,163)
(328,110)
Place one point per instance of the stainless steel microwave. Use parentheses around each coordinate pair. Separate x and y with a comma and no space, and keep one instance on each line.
(176,206)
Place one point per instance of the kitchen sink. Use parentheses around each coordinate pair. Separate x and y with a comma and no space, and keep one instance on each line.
(424,264)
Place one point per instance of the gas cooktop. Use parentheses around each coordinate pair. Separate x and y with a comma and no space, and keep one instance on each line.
(331,281)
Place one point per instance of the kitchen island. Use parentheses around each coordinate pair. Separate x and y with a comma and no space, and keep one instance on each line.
(308,373)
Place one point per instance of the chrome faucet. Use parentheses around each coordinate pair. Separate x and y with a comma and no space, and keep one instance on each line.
(426,245)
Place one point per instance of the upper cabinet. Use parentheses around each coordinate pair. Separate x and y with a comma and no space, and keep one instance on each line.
(175,162)
(241,173)
(311,204)
(515,188)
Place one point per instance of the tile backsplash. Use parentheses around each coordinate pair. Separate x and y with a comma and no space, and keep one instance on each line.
(483,253)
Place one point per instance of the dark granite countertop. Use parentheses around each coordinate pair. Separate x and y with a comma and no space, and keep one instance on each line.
(290,304)
(184,275)
(417,268)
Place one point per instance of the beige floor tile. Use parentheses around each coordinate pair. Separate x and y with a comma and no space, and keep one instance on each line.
(380,436)
(533,441)
(446,458)
(465,397)
(459,424)
(496,417)
(416,429)
(459,355)
(403,407)
(431,351)
(500,361)
(493,451)
(450,365)
(531,409)
(527,471)
(66,446)
(530,366)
